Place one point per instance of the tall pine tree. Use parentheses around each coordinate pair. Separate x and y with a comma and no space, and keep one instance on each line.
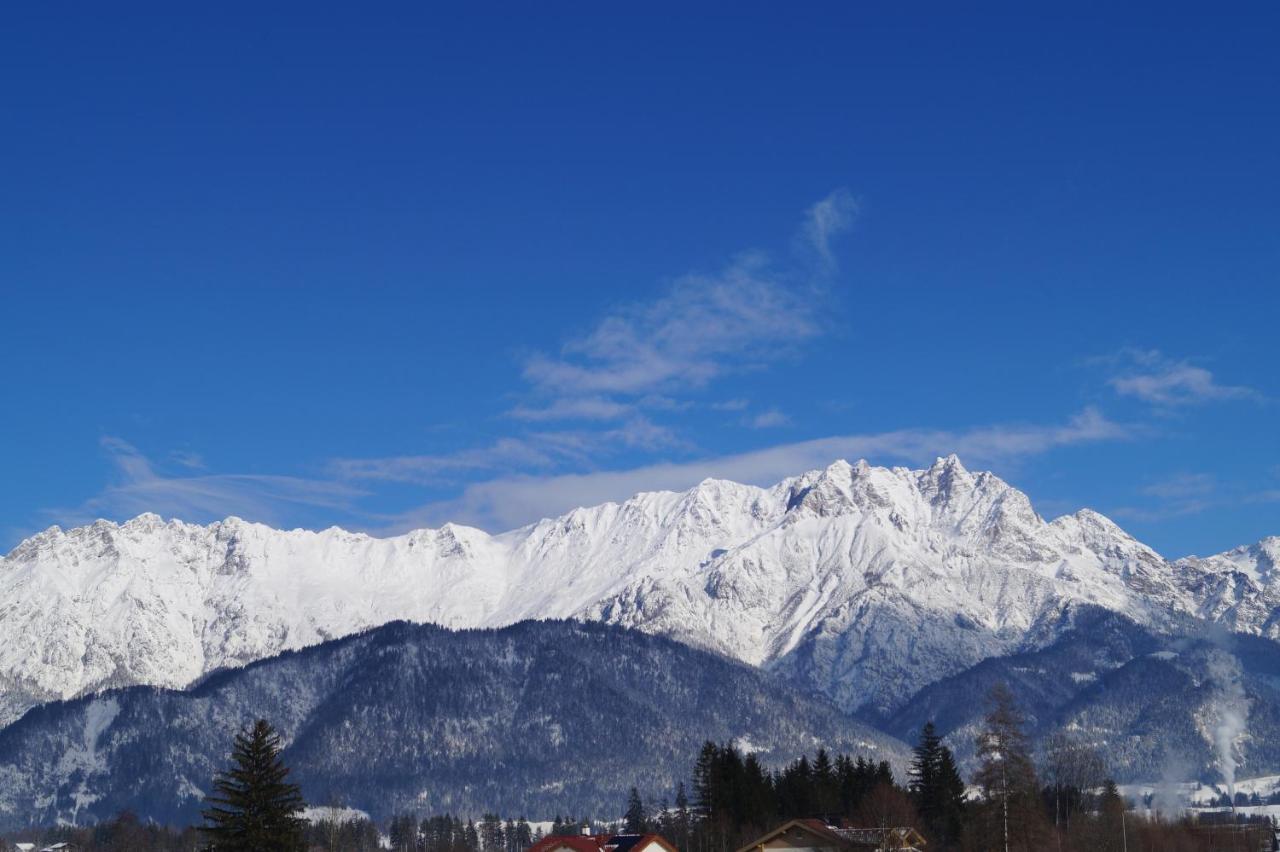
(253,808)
(635,821)
(937,789)
(683,817)
(923,777)
(952,793)
(826,789)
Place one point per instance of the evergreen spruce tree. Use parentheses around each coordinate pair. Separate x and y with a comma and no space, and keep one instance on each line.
(756,793)
(826,790)
(802,804)
(926,763)
(683,820)
(404,833)
(663,821)
(704,780)
(1110,830)
(952,801)
(937,789)
(491,839)
(253,808)
(524,834)
(635,820)
(883,774)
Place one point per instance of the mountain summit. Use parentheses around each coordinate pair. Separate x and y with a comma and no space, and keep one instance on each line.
(867,582)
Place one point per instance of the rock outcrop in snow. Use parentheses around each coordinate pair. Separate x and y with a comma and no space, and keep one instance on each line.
(869,582)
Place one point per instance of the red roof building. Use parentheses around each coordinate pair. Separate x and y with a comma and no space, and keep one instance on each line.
(603,843)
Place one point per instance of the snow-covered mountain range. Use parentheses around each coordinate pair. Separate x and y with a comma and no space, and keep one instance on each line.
(869,582)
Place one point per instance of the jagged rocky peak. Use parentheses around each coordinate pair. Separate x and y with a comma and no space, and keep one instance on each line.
(823,493)
(1102,535)
(148,522)
(1268,556)
(1258,562)
(29,547)
(713,498)
(945,480)
(945,498)
(1097,523)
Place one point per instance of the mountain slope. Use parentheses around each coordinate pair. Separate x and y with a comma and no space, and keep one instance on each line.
(537,718)
(1151,703)
(866,583)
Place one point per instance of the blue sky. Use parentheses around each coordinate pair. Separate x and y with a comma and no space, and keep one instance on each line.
(386,267)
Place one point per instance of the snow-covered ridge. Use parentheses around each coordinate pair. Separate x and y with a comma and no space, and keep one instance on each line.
(869,581)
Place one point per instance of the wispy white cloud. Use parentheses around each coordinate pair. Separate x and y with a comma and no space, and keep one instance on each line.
(827,218)
(738,404)
(187,459)
(1175,496)
(768,419)
(140,487)
(706,326)
(1150,376)
(751,313)
(1182,486)
(511,501)
(1159,513)
(540,450)
(534,451)
(571,408)
(1266,495)
(1186,494)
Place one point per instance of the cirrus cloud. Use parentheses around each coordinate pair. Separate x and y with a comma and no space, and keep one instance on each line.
(140,486)
(706,325)
(1152,377)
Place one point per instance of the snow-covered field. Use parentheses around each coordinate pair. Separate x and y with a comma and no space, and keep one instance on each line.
(1196,796)
(333,814)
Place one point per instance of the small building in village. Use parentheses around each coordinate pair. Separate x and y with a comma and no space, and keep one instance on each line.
(819,835)
(603,843)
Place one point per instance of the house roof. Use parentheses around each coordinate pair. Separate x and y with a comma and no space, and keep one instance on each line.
(627,842)
(600,842)
(815,827)
(897,838)
(844,837)
(575,842)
